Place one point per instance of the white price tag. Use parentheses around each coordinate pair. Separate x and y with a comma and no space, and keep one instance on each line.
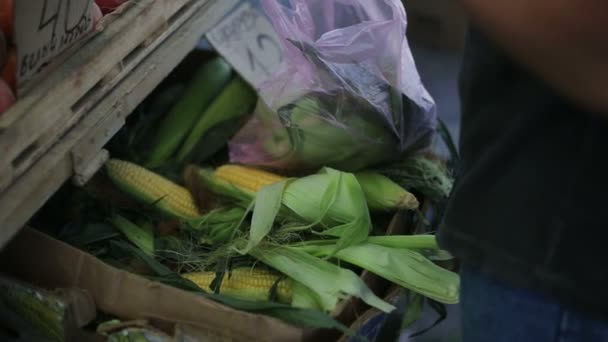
(248,41)
(45,28)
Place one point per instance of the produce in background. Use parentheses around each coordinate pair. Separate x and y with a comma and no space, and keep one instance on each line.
(247,283)
(236,100)
(152,189)
(45,312)
(209,81)
(47,315)
(133,331)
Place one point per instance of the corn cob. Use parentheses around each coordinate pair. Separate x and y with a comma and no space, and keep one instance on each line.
(206,84)
(43,312)
(246,283)
(151,188)
(142,238)
(247,179)
(236,100)
(381,193)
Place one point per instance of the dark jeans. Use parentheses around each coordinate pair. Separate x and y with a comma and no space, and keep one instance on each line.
(495,312)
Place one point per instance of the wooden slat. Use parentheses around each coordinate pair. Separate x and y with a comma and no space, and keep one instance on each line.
(38,120)
(20,201)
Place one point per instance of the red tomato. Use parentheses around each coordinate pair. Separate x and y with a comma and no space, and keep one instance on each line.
(3,50)
(9,72)
(108,6)
(6,18)
(7,98)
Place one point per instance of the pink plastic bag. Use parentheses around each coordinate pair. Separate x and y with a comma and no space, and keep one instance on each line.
(347,95)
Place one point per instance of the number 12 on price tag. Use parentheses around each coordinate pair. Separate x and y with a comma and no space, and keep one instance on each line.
(248,41)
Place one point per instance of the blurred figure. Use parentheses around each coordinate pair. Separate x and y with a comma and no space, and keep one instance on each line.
(528,215)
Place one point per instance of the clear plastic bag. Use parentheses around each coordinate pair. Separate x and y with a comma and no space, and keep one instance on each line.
(347,95)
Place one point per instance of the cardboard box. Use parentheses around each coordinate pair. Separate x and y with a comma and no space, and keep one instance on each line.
(57,265)
(436,23)
(129,296)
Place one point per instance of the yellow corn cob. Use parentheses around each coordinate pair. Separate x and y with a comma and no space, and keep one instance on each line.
(245,178)
(381,193)
(246,283)
(151,188)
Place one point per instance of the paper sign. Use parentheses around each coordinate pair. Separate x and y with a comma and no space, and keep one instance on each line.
(45,28)
(249,43)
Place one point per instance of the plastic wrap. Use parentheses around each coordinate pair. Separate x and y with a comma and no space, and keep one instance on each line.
(347,94)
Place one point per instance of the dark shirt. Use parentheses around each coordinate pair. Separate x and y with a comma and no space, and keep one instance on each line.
(529,204)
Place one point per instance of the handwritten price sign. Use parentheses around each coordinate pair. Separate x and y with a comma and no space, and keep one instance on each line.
(248,41)
(45,28)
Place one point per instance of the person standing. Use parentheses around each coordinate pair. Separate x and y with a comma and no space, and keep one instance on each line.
(528,216)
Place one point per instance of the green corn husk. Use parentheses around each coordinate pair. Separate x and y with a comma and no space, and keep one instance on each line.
(426,175)
(236,100)
(333,199)
(42,311)
(219,225)
(332,202)
(303,297)
(297,316)
(134,331)
(351,139)
(140,237)
(328,281)
(401,266)
(384,194)
(206,84)
(413,242)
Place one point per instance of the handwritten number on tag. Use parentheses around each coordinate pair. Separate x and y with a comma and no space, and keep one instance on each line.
(248,41)
(76,30)
(52,17)
(61,23)
(267,38)
(263,40)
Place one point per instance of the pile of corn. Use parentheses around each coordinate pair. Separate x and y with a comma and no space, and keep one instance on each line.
(299,234)
(332,204)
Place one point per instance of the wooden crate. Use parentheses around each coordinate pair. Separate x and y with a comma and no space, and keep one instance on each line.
(59,101)
(59,128)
